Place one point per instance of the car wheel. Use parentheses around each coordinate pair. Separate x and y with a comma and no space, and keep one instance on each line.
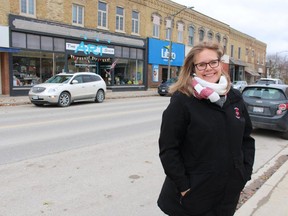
(100,96)
(284,135)
(64,99)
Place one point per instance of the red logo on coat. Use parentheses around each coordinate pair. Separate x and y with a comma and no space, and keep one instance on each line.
(237,112)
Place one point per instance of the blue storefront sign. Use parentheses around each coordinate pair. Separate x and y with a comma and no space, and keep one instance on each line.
(158,52)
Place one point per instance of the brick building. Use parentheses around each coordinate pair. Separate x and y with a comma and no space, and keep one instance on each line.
(127,42)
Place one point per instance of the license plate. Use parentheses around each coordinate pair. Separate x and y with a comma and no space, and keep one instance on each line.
(35,97)
(163,90)
(258,109)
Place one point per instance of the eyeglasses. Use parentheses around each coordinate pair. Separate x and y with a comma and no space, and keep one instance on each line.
(202,66)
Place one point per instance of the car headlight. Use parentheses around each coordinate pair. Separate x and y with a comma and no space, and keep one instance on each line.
(52,90)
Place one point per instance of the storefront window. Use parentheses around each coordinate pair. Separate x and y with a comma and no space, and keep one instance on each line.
(58,63)
(78,63)
(30,68)
(128,72)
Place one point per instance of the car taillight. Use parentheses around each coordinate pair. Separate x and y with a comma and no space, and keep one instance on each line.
(281,108)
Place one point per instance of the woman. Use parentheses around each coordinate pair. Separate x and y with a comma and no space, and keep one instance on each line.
(205,145)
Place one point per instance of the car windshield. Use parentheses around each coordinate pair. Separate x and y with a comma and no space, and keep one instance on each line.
(264,93)
(172,80)
(59,79)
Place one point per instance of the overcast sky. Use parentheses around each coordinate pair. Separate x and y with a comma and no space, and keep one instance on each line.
(265,20)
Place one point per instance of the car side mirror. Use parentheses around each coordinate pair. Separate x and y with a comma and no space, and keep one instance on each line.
(75,81)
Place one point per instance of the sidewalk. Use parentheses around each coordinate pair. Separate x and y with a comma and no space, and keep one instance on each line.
(270,199)
(21,100)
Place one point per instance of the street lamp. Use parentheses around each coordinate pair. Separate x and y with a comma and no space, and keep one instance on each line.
(170,39)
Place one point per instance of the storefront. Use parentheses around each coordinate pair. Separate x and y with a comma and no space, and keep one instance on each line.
(46,49)
(237,69)
(158,60)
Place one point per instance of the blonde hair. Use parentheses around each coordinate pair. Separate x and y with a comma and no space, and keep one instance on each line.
(184,80)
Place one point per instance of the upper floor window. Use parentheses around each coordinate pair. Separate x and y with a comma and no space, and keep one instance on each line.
(201,35)
(210,36)
(247,52)
(135,22)
(191,36)
(239,52)
(102,14)
(225,45)
(218,38)
(180,28)
(119,19)
(168,29)
(156,26)
(27,7)
(77,14)
(232,51)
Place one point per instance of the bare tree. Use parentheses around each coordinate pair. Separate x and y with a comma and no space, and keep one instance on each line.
(278,66)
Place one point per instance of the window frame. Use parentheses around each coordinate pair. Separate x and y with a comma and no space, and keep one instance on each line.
(102,15)
(120,20)
(135,23)
(27,8)
(232,50)
(218,38)
(201,35)
(78,7)
(156,26)
(191,35)
(156,30)
(239,53)
(180,30)
(180,36)
(210,35)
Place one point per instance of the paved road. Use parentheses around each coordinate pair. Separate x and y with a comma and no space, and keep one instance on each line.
(117,176)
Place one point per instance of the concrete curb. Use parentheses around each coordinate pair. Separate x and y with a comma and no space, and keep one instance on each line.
(22,100)
(262,198)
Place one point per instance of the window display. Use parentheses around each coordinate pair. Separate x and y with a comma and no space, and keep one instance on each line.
(30,68)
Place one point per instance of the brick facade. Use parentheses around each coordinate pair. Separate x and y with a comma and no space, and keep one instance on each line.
(60,11)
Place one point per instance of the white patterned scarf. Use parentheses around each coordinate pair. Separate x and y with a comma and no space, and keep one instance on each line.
(211,91)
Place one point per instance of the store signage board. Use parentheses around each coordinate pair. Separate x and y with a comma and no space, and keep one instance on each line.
(88,49)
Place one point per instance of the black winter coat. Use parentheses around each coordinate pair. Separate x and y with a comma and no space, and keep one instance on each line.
(202,146)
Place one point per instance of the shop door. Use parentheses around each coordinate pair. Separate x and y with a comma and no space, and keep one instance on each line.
(164,74)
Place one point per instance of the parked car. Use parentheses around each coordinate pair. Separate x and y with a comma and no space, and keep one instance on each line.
(267,81)
(163,88)
(240,84)
(66,88)
(268,106)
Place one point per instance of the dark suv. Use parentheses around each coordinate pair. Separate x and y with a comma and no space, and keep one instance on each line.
(163,88)
(268,106)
